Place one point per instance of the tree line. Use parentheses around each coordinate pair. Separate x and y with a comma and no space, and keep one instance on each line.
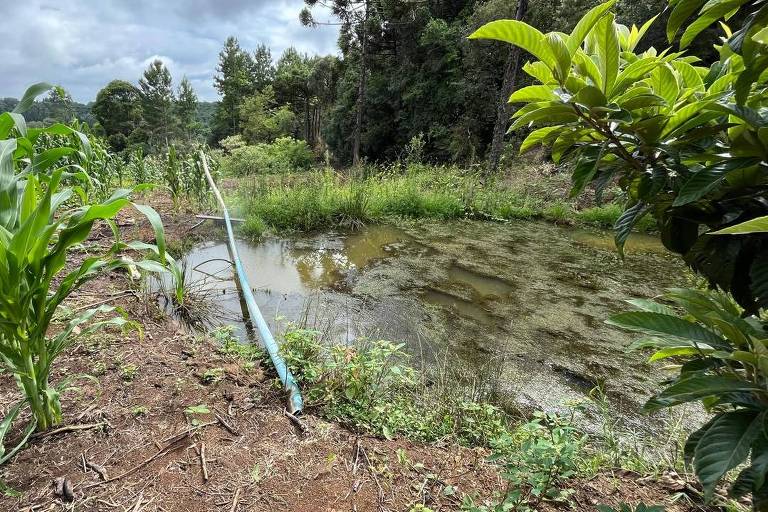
(406,71)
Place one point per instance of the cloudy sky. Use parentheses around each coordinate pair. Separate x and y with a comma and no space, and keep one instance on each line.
(83,44)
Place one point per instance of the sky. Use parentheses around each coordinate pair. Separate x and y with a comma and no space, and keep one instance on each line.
(83,44)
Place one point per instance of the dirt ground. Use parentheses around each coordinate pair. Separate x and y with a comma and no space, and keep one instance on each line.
(127,444)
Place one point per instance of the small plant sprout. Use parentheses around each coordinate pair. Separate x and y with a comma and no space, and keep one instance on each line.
(193,412)
(128,372)
(139,410)
(213,375)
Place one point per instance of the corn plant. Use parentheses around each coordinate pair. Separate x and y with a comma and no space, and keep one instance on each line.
(40,221)
(172,174)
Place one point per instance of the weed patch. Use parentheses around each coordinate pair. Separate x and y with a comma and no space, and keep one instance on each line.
(323,199)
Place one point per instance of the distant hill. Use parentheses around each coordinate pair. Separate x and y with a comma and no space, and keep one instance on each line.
(47,112)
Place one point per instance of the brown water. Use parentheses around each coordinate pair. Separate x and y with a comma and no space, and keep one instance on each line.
(518,306)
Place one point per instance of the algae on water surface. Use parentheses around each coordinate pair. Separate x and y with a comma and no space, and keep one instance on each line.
(519,305)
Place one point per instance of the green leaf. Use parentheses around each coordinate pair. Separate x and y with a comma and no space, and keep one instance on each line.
(693,440)
(534,93)
(653,307)
(561,54)
(752,478)
(658,324)
(46,159)
(7,147)
(717,11)
(520,34)
(725,445)
(539,136)
(703,181)
(29,96)
(691,77)
(675,352)
(682,11)
(586,66)
(756,225)
(633,73)
(590,96)
(157,226)
(607,51)
(637,35)
(697,387)
(550,113)
(665,83)
(539,71)
(586,24)
(624,224)
(5,427)
(761,36)
(583,173)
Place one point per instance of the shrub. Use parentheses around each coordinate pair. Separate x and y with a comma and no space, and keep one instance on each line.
(370,386)
(284,155)
(538,457)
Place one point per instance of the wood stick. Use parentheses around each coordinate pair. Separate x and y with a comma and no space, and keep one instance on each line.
(138,503)
(215,217)
(296,421)
(68,428)
(100,302)
(231,429)
(98,469)
(235,500)
(203,463)
(172,444)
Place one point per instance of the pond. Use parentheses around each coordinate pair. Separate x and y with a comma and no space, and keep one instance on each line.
(515,309)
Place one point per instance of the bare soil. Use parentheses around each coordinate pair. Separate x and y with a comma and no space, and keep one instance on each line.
(126,443)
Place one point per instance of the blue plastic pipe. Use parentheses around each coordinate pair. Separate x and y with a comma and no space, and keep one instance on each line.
(295,402)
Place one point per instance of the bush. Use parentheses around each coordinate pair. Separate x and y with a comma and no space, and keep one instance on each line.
(371,387)
(284,155)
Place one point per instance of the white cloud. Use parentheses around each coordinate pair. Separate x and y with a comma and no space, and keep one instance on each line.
(84,44)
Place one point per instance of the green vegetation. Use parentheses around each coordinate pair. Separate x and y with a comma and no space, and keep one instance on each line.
(538,457)
(324,199)
(41,219)
(371,387)
(659,124)
(673,139)
(281,156)
(724,364)
(684,143)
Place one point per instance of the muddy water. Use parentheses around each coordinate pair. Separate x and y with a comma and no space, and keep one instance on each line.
(515,307)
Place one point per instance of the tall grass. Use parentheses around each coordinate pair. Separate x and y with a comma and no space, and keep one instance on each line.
(322,199)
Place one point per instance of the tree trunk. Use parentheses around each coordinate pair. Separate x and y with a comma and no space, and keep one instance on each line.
(504,110)
(307,129)
(361,90)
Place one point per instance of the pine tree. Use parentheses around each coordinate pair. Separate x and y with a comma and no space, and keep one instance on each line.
(157,102)
(234,82)
(186,109)
(263,69)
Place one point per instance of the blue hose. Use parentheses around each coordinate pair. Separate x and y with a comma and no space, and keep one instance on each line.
(295,402)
